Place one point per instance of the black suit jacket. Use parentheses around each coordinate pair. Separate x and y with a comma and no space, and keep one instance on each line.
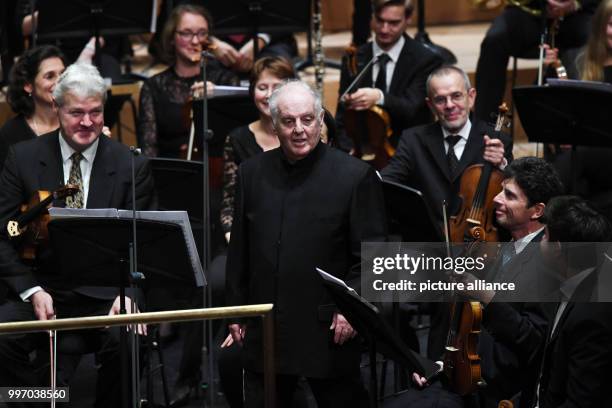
(37,165)
(288,220)
(578,357)
(514,331)
(405,100)
(420,162)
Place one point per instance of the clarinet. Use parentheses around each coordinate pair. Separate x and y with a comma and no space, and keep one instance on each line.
(319,57)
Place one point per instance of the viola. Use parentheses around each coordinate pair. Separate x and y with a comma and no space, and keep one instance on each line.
(480,183)
(370,130)
(31,225)
(461,359)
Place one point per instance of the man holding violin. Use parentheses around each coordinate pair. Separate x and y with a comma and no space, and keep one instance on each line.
(432,158)
(396,81)
(513,329)
(100,167)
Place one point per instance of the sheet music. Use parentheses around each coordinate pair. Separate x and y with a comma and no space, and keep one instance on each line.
(58,212)
(179,218)
(331,278)
(225,90)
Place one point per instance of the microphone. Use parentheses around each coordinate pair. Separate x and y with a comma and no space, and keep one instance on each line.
(136,151)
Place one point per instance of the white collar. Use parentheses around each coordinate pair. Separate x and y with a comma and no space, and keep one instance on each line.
(521,243)
(569,286)
(89,153)
(464,132)
(394,52)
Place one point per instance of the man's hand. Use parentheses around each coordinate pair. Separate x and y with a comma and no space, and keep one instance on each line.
(225,53)
(343,331)
(116,308)
(550,54)
(43,305)
(362,99)
(494,151)
(560,8)
(245,63)
(197,89)
(421,382)
(237,331)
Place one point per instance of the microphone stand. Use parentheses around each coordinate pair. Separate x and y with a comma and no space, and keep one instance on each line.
(134,276)
(206,225)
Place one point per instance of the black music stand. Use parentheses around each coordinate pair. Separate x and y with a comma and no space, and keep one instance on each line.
(368,321)
(576,113)
(422,36)
(103,245)
(224,114)
(259,16)
(408,215)
(85,18)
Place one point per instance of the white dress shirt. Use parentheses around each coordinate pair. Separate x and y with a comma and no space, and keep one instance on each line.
(393,54)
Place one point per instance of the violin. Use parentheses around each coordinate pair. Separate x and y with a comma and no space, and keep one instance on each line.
(461,359)
(31,225)
(370,130)
(480,183)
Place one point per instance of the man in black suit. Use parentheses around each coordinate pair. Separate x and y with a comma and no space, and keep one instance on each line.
(577,358)
(432,158)
(301,206)
(399,88)
(514,330)
(74,154)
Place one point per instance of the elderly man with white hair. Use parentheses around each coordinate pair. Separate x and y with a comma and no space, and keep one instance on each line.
(301,206)
(73,154)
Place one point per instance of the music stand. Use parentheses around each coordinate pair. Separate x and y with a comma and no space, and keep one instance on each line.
(224,115)
(408,215)
(576,113)
(85,18)
(103,245)
(368,321)
(263,16)
(422,36)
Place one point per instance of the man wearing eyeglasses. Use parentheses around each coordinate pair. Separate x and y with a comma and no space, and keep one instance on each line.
(432,158)
(396,80)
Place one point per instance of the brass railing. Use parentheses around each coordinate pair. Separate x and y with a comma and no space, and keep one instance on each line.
(264,311)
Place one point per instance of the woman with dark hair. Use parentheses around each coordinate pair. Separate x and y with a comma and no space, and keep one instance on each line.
(31,84)
(164,124)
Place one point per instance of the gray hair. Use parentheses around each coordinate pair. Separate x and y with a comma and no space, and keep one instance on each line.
(290,83)
(82,80)
(447,70)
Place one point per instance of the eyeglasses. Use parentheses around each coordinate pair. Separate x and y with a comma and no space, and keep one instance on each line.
(455,97)
(188,35)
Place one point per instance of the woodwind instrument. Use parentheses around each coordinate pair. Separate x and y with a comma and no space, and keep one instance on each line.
(319,56)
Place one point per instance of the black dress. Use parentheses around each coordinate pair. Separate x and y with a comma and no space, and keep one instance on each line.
(164,123)
(240,144)
(15,130)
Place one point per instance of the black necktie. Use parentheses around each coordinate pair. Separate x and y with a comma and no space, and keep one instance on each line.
(381,79)
(451,157)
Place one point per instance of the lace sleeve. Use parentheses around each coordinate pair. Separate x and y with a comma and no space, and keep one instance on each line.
(147,127)
(230,169)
